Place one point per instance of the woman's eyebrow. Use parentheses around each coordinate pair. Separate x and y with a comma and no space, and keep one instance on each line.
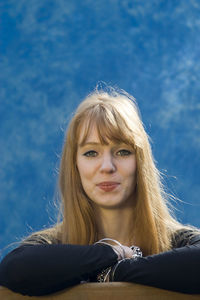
(98,143)
(89,144)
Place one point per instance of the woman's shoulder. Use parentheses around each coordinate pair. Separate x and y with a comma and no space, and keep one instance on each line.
(187,235)
(47,236)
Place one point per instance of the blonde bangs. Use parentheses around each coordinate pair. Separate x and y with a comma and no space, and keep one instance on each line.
(110,126)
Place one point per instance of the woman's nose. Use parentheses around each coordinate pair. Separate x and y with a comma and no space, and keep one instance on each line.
(107,164)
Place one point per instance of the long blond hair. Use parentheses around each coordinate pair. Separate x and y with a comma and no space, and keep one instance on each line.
(117,118)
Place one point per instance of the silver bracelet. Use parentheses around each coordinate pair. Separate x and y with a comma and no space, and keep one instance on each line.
(115,268)
(136,253)
(103,241)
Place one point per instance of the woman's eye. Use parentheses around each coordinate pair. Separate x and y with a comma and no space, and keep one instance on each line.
(90,153)
(123,152)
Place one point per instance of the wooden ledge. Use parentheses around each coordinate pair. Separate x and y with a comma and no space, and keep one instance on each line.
(104,291)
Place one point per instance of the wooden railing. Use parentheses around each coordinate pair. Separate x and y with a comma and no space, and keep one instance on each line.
(104,291)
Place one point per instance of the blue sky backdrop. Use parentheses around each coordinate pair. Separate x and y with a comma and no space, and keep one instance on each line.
(53,53)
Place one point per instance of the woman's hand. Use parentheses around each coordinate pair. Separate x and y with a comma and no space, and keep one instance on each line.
(123,251)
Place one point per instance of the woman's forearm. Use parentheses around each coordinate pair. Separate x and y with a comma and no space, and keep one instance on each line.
(43,269)
(176,270)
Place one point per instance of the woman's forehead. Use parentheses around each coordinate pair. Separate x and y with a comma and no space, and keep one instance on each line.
(88,134)
(95,133)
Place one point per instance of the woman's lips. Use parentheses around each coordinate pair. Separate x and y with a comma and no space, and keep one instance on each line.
(108,186)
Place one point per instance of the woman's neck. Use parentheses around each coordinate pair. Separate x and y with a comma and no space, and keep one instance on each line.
(115,224)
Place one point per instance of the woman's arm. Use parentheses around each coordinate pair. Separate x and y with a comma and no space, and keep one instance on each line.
(42,269)
(176,270)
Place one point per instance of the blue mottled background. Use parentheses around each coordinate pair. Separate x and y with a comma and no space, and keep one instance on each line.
(52,53)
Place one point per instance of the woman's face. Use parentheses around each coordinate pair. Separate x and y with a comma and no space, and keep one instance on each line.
(107,172)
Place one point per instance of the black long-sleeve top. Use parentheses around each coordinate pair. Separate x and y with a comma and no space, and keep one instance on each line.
(40,269)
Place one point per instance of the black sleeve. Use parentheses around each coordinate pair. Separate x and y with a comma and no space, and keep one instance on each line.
(176,270)
(42,269)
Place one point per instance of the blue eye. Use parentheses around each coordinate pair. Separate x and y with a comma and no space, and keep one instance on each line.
(90,153)
(123,152)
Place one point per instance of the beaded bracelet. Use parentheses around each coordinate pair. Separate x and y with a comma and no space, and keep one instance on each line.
(136,251)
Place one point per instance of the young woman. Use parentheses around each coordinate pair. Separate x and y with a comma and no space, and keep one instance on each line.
(116,224)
